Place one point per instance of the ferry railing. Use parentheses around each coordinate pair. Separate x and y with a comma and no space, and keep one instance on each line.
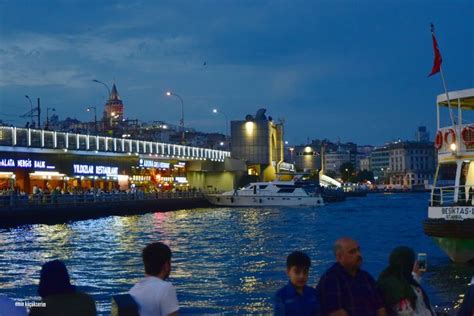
(445,196)
(14,200)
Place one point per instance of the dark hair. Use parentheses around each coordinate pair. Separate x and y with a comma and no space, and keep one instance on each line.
(298,259)
(155,256)
(401,262)
(54,279)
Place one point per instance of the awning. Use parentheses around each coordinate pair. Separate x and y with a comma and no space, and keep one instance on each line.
(466,98)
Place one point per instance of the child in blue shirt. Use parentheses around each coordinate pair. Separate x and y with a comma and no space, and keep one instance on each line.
(296,298)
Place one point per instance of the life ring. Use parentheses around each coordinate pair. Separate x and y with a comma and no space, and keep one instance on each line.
(453,137)
(439,140)
(467,135)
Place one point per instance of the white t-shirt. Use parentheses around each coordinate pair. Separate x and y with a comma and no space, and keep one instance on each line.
(155,297)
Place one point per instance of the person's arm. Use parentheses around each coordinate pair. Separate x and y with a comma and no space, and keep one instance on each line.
(329,293)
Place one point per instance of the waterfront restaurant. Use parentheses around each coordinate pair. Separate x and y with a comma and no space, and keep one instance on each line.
(67,171)
(156,174)
(32,158)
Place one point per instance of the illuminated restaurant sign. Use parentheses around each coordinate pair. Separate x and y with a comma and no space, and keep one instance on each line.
(147,163)
(181,179)
(24,163)
(95,170)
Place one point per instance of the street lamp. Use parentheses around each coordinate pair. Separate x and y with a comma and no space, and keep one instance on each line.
(47,116)
(103,83)
(31,109)
(37,109)
(90,108)
(292,149)
(169,93)
(215,111)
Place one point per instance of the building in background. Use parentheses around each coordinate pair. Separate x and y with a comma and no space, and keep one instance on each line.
(113,111)
(422,135)
(412,164)
(334,160)
(307,157)
(258,141)
(364,164)
(379,164)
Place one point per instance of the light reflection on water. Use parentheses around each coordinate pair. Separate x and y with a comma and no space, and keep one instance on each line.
(224,260)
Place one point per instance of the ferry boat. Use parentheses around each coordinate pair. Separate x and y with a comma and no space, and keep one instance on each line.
(450,219)
(276,193)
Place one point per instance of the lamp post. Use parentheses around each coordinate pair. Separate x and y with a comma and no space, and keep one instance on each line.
(169,93)
(90,108)
(31,109)
(47,116)
(215,111)
(103,83)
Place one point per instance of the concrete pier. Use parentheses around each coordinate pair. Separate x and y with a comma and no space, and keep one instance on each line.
(61,209)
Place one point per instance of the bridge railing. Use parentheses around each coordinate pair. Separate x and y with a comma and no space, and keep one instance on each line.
(37,138)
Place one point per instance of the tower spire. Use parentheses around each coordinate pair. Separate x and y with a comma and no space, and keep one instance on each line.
(114,96)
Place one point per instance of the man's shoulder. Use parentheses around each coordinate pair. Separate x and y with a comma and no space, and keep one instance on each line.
(283,292)
(332,271)
(151,284)
(309,290)
(367,275)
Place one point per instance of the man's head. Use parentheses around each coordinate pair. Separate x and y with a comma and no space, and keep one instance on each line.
(347,252)
(297,268)
(157,260)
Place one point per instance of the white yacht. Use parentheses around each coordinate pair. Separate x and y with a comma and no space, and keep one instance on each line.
(275,193)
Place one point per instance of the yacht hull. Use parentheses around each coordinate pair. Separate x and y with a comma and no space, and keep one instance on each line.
(263,201)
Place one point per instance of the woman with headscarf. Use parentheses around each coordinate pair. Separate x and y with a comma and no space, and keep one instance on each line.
(59,296)
(402,294)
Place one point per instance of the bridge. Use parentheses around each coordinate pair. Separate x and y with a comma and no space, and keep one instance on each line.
(16,139)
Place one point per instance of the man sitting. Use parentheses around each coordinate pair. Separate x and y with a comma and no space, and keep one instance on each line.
(155,296)
(345,289)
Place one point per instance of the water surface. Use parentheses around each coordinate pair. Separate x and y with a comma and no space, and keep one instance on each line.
(224,259)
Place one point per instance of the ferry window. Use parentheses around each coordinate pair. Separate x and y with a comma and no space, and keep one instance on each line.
(262,187)
(446,175)
(467,174)
(286,190)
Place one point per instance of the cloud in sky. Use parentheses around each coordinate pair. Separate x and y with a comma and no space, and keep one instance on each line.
(330,68)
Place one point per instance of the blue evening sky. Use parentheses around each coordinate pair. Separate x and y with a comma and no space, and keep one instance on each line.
(349,70)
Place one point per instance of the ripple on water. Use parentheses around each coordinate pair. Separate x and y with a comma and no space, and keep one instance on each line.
(224,260)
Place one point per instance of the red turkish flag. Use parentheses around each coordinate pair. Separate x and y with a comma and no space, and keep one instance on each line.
(437,59)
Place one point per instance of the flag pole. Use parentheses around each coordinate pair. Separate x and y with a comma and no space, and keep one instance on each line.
(447,96)
(444,86)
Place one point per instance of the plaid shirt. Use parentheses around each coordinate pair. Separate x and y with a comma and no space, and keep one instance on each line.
(358,295)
